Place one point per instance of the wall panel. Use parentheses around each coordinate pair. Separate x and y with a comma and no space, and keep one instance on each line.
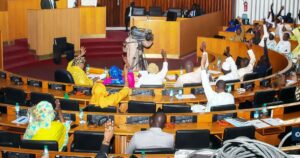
(4,25)
(115,12)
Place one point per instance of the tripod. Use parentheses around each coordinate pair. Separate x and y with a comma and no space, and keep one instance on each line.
(142,62)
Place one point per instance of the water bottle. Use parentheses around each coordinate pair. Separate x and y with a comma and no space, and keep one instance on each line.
(229,88)
(256,113)
(46,152)
(181,70)
(17,109)
(143,154)
(180,93)
(264,110)
(171,94)
(87,69)
(219,63)
(81,115)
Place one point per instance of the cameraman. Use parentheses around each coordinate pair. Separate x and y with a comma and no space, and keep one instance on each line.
(130,46)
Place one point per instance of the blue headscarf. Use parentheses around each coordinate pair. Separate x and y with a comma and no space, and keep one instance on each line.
(115,74)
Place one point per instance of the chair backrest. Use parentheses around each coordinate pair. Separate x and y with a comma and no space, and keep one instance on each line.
(138,11)
(39,144)
(262,97)
(287,94)
(87,141)
(269,71)
(13,96)
(217,117)
(63,76)
(60,41)
(9,139)
(93,108)
(152,86)
(176,10)
(192,139)
(192,84)
(155,11)
(36,97)
(154,151)
(70,105)
(176,108)
(141,107)
(250,76)
(231,133)
(171,16)
(223,107)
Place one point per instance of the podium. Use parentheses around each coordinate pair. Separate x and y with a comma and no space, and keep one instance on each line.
(45,25)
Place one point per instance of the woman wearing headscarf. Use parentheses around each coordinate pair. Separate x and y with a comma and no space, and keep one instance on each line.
(100,96)
(42,124)
(75,67)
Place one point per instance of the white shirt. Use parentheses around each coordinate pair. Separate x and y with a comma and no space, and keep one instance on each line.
(214,98)
(130,11)
(233,75)
(52,4)
(152,138)
(283,47)
(192,77)
(271,44)
(249,68)
(153,79)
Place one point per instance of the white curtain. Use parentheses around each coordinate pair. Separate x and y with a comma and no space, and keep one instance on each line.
(258,9)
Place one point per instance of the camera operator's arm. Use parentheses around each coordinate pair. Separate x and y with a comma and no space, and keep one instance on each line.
(147,44)
(125,47)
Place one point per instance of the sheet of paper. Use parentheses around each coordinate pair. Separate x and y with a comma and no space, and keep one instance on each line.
(258,124)
(71,3)
(273,121)
(101,76)
(214,72)
(89,3)
(237,123)
(185,96)
(171,77)
(21,120)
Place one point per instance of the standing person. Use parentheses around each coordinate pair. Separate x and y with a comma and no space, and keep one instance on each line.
(48,4)
(130,46)
(128,14)
(264,63)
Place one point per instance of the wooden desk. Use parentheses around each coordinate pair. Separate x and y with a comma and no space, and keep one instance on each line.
(229,35)
(178,38)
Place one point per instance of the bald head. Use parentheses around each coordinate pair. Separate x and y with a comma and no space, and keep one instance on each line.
(221,85)
(189,66)
(158,119)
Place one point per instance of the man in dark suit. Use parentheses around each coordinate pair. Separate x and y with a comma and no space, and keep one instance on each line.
(48,4)
(128,14)
(195,11)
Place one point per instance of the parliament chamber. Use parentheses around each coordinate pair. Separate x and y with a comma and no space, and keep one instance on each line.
(271,109)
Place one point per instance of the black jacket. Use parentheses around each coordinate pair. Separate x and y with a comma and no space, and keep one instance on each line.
(45,4)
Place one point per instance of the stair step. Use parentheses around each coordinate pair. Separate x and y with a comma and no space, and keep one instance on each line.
(106,53)
(18,64)
(14,49)
(17,58)
(22,42)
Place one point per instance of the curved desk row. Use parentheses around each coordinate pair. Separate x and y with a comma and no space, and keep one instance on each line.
(127,124)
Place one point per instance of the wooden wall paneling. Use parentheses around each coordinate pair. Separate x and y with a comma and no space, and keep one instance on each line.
(62,4)
(113,11)
(3,5)
(17,17)
(1,51)
(4,25)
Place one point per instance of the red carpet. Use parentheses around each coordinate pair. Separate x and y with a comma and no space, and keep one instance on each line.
(100,53)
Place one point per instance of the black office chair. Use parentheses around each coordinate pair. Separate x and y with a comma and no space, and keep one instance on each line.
(250,76)
(39,144)
(228,107)
(36,97)
(232,133)
(154,151)
(155,11)
(192,139)
(10,139)
(223,107)
(175,10)
(192,84)
(61,46)
(63,76)
(13,96)
(287,94)
(69,105)
(93,108)
(261,97)
(176,108)
(87,141)
(269,71)
(139,11)
(171,16)
(141,107)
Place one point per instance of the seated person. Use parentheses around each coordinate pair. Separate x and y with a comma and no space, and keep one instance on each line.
(288,18)
(108,135)
(154,137)
(192,77)
(284,45)
(42,125)
(101,98)
(246,64)
(75,67)
(154,77)
(233,26)
(115,76)
(264,63)
(239,34)
(271,43)
(218,98)
(229,68)
(296,35)
(257,33)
